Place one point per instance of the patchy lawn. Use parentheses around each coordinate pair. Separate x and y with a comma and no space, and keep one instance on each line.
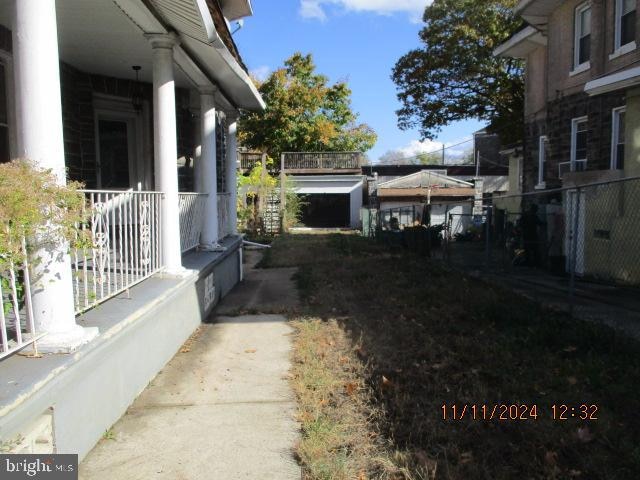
(389,338)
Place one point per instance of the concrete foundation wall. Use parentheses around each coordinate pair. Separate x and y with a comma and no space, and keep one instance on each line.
(89,391)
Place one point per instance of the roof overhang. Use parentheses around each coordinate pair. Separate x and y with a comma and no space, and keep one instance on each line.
(616,81)
(536,12)
(425,192)
(327,184)
(235,9)
(195,26)
(521,44)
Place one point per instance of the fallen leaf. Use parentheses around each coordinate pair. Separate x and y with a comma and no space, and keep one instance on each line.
(584,434)
(551,458)
(386,384)
(466,457)
(351,388)
(250,350)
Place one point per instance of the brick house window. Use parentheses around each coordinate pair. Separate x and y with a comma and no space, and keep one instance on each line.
(625,28)
(5,154)
(582,36)
(618,138)
(578,144)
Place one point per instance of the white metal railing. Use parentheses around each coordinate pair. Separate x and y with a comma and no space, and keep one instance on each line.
(191,219)
(17,327)
(224,227)
(120,247)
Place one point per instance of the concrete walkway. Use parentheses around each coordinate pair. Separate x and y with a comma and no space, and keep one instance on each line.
(221,409)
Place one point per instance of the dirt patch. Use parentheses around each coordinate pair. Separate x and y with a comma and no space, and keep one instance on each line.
(428,337)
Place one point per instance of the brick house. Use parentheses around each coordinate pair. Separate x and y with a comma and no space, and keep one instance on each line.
(582,116)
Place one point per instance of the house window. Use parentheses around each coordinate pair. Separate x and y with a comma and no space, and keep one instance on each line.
(582,39)
(543,145)
(578,144)
(5,154)
(221,151)
(625,31)
(617,138)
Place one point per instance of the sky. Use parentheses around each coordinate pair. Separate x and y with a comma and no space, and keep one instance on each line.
(358,41)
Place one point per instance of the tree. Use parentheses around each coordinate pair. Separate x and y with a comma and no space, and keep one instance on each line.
(304,113)
(454,75)
(398,157)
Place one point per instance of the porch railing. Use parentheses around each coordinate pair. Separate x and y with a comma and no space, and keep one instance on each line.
(323,160)
(122,245)
(17,328)
(224,227)
(191,218)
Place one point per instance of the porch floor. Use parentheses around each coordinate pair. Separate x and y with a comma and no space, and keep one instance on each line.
(22,376)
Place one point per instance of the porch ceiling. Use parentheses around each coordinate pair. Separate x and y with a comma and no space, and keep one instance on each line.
(95,36)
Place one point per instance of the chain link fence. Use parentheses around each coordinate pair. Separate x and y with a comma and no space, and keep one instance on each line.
(576,239)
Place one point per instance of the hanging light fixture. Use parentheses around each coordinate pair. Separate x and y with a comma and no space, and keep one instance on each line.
(136,93)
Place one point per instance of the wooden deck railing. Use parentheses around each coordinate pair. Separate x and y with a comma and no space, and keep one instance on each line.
(248,160)
(323,160)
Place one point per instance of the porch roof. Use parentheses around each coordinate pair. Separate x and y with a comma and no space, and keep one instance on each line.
(536,12)
(108,38)
(521,44)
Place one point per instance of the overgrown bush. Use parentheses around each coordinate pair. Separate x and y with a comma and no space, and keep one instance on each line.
(34,208)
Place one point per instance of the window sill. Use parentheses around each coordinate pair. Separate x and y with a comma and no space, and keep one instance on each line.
(580,69)
(540,186)
(623,50)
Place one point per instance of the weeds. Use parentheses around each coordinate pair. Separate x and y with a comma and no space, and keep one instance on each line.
(414,335)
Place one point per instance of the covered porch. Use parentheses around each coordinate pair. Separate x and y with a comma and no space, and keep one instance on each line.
(155,146)
(139,101)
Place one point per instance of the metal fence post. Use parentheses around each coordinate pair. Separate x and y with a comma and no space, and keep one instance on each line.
(575,210)
(488,236)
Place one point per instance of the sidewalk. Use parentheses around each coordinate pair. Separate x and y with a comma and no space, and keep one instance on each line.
(221,409)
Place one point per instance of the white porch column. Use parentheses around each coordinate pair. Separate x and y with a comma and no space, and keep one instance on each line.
(39,139)
(232,170)
(166,149)
(209,236)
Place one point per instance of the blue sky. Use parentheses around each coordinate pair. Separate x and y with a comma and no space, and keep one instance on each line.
(354,40)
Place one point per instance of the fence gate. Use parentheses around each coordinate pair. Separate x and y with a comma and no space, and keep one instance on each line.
(271,214)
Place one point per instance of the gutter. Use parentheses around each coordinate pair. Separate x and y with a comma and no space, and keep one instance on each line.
(218,44)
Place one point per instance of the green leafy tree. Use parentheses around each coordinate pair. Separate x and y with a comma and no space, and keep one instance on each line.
(304,113)
(454,75)
(429,158)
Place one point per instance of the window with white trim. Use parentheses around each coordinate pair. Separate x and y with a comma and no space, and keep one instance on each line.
(543,146)
(625,28)
(5,150)
(582,36)
(618,138)
(578,144)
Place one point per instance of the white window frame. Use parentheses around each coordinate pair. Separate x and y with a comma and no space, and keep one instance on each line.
(7,61)
(584,66)
(543,141)
(574,134)
(618,48)
(615,130)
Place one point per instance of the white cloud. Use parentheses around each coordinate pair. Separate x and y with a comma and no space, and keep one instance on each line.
(455,152)
(261,73)
(414,8)
(416,147)
(312,9)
